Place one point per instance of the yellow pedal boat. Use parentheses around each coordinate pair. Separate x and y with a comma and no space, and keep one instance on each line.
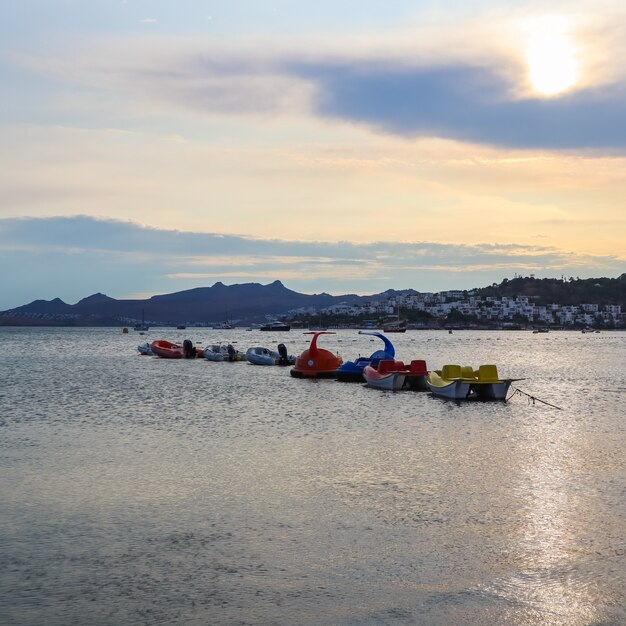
(461,383)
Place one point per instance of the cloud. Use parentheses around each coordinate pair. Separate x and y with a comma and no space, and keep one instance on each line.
(452,84)
(469,104)
(72,257)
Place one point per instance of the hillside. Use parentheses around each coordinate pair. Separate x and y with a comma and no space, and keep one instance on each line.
(545,291)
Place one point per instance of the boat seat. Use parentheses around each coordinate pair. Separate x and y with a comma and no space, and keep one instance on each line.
(467,371)
(451,371)
(418,367)
(385,366)
(398,366)
(488,373)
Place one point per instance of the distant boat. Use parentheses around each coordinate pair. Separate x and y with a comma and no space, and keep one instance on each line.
(276,326)
(143,325)
(396,327)
(223,326)
(181,327)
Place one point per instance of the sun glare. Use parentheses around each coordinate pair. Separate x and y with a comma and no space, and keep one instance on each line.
(551,56)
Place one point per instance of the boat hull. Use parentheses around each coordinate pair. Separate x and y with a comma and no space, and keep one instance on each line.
(453,390)
(393,381)
(416,383)
(297,373)
(388,380)
(350,376)
(491,391)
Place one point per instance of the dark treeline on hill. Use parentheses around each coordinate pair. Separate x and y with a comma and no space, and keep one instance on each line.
(572,291)
(253,303)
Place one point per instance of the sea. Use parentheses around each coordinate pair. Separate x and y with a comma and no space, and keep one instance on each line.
(137,490)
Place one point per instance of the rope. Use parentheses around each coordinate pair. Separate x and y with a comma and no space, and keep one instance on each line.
(531,399)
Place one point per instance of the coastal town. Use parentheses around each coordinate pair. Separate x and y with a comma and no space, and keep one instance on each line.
(467,309)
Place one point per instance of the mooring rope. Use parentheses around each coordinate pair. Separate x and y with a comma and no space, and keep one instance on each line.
(532,399)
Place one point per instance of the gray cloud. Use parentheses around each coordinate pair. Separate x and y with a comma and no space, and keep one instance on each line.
(71,257)
(470,104)
(455,100)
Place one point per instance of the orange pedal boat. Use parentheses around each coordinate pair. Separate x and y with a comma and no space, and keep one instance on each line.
(316,362)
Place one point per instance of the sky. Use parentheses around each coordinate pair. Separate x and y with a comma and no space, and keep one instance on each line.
(151,146)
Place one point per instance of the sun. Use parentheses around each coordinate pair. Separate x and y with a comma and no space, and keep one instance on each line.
(551,56)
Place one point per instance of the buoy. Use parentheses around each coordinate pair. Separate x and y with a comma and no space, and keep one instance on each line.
(125,331)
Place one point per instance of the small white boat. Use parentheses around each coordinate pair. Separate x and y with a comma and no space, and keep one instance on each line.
(264,356)
(261,356)
(222,352)
(145,349)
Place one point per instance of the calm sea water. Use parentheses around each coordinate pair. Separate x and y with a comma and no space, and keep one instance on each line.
(136,490)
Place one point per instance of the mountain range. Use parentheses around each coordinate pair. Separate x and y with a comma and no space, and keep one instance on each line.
(251,303)
(245,303)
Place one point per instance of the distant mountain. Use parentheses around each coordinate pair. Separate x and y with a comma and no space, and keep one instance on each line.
(248,303)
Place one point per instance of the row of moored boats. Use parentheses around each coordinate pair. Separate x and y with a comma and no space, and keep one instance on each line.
(380,370)
(217,352)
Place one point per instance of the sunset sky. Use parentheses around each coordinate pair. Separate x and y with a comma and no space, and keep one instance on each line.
(150,146)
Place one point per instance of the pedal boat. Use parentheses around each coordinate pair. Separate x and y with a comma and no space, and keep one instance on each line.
(395,375)
(352,371)
(316,362)
(463,383)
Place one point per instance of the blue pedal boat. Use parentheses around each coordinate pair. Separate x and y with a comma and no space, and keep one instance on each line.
(352,371)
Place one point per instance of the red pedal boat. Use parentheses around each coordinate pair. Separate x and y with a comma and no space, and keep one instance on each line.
(395,375)
(316,362)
